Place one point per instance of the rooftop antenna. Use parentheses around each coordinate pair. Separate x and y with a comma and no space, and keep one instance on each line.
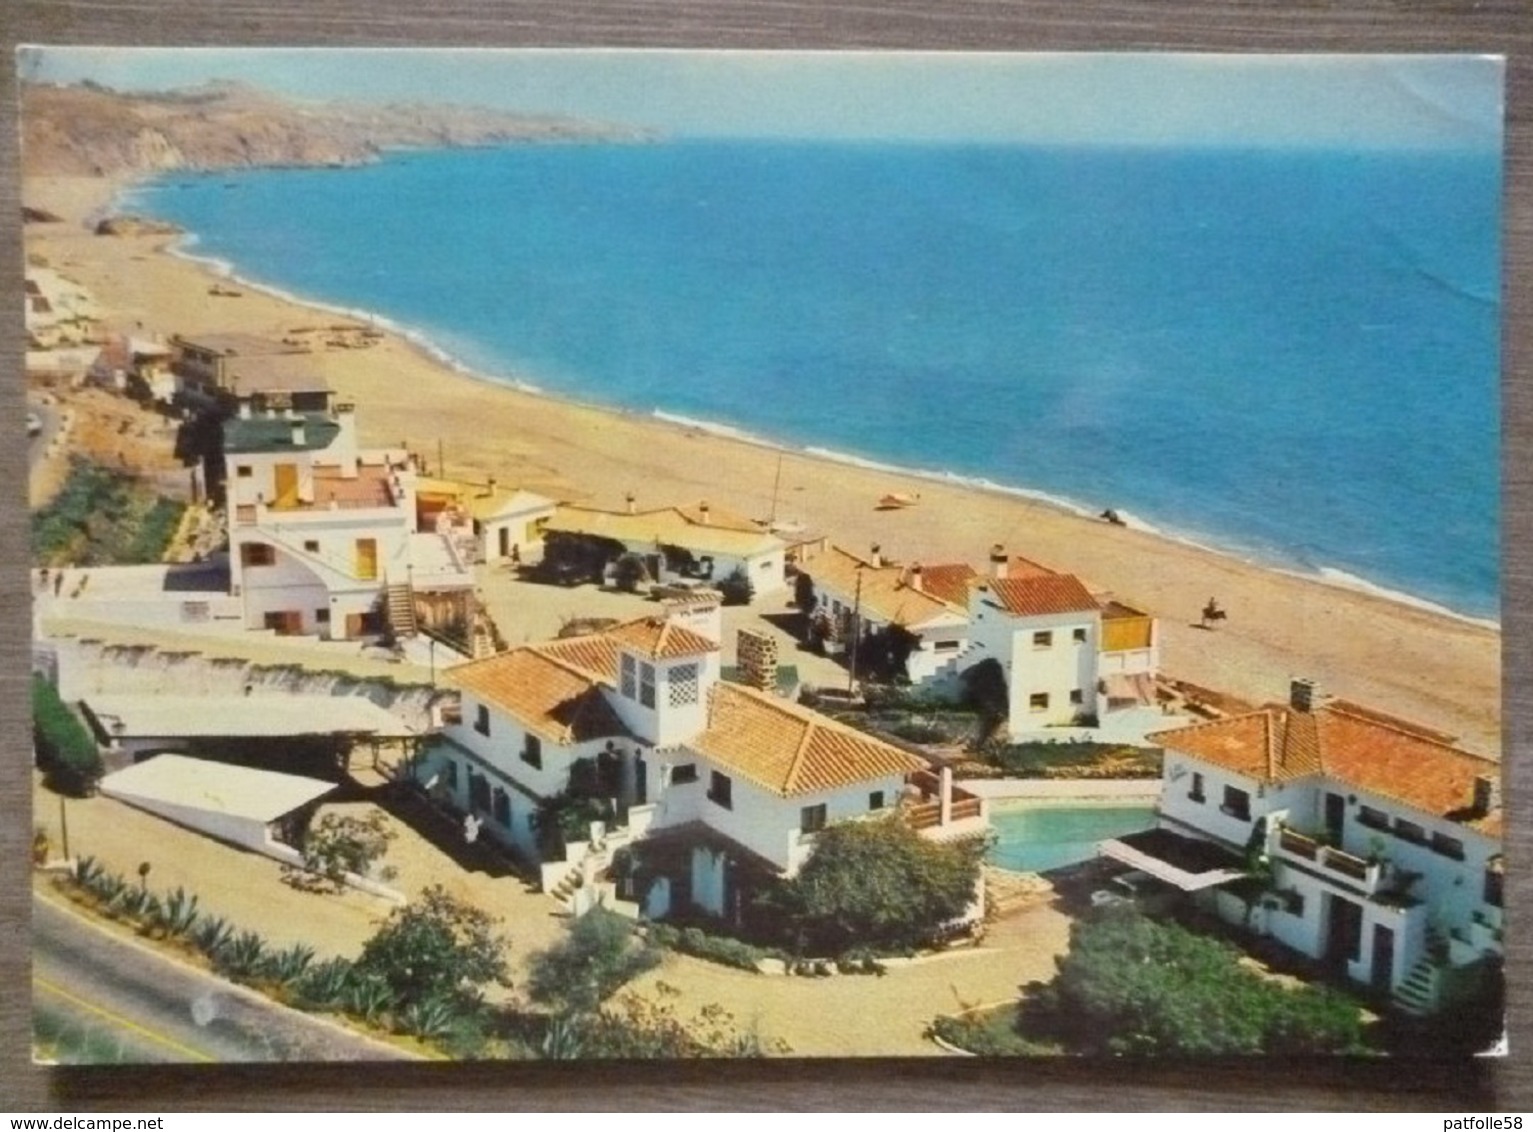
(776,483)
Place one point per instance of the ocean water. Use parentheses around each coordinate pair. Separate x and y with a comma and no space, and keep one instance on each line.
(1289,355)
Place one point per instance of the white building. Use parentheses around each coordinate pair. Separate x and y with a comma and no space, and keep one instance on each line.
(322,534)
(927,607)
(488,522)
(714,783)
(677,544)
(1383,841)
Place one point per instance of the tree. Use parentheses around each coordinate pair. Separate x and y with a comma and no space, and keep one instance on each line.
(340,844)
(435,948)
(877,884)
(1134,986)
(65,749)
(737,587)
(629,573)
(583,970)
(804,596)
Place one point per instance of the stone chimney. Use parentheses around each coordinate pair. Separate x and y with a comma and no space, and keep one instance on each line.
(702,513)
(998,561)
(875,556)
(915,580)
(1303,695)
(756,655)
(1487,793)
(630,501)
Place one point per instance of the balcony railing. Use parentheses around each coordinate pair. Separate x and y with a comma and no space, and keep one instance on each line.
(1296,843)
(1292,843)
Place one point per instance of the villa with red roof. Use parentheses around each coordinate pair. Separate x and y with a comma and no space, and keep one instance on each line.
(1382,841)
(1065,654)
(714,785)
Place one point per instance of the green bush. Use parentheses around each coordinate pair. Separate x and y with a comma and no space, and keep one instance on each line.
(737,588)
(65,749)
(722,949)
(102,517)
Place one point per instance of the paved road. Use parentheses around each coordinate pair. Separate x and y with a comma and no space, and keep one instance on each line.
(98,998)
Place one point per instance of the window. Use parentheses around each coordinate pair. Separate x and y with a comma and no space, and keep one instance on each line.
(1077,696)
(1196,791)
(683,686)
(1078,636)
(450,774)
(1372,818)
(683,773)
(243,471)
(721,790)
(1237,804)
(258,554)
(481,719)
(1495,880)
(478,792)
(1038,701)
(811,819)
(500,803)
(876,800)
(947,646)
(1293,903)
(1410,831)
(1448,846)
(1043,639)
(629,680)
(647,685)
(322,616)
(311,545)
(532,752)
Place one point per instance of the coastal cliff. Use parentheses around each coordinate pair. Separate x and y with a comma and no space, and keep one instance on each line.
(93,131)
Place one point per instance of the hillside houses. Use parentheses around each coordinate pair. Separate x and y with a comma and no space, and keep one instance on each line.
(1382,841)
(714,785)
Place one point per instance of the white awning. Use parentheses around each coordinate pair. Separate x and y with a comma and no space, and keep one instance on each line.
(1165,870)
(213,788)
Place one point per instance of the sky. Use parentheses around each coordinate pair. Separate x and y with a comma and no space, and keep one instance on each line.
(1372,101)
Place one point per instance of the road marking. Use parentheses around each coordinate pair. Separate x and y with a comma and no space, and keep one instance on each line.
(118,1019)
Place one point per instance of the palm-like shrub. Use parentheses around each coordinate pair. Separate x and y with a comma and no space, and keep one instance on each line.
(323,986)
(212,934)
(242,957)
(180,912)
(288,965)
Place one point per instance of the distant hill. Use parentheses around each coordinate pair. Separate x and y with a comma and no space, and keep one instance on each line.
(91,130)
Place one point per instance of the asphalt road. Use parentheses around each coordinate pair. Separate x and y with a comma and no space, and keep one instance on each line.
(97,998)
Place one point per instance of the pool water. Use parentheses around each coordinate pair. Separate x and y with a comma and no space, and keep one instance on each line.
(1049,837)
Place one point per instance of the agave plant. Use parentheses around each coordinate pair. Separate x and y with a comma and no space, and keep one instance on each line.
(180,912)
(287,966)
(241,957)
(212,934)
(428,1018)
(106,887)
(323,986)
(87,871)
(368,998)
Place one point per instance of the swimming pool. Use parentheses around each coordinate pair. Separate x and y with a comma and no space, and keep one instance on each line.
(1036,838)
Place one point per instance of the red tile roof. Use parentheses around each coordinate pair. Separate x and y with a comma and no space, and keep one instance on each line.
(1360,748)
(660,639)
(554,701)
(791,750)
(1040,594)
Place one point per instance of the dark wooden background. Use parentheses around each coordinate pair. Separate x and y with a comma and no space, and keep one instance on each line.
(1495,26)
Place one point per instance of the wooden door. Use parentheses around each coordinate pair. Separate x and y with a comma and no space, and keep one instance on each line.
(286,485)
(354,625)
(366,559)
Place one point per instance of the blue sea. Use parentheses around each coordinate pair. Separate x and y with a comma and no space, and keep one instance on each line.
(1290,355)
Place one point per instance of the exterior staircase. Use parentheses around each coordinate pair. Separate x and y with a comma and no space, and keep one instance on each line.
(399,605)
(1417,992)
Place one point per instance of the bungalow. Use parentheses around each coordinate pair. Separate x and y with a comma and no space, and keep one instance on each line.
(923,608)
(693,543)
(714,784)
(491,523)
(322,534)
(1377,842)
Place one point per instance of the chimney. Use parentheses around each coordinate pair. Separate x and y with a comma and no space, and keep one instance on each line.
(1303,695)
(875,556)
(756,655)
(298,433)
(998,561)
(702,513)
(345,444)
(490,489)
(915,581)
(1487,793)
(629,499)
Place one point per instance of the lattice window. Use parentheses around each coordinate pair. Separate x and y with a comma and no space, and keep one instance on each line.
(630,678)
(683,685)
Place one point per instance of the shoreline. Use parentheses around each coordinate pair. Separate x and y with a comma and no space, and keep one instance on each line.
(590,452)
(183,246)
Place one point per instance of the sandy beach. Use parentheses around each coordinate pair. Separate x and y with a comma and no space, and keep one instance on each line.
(1421,665)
